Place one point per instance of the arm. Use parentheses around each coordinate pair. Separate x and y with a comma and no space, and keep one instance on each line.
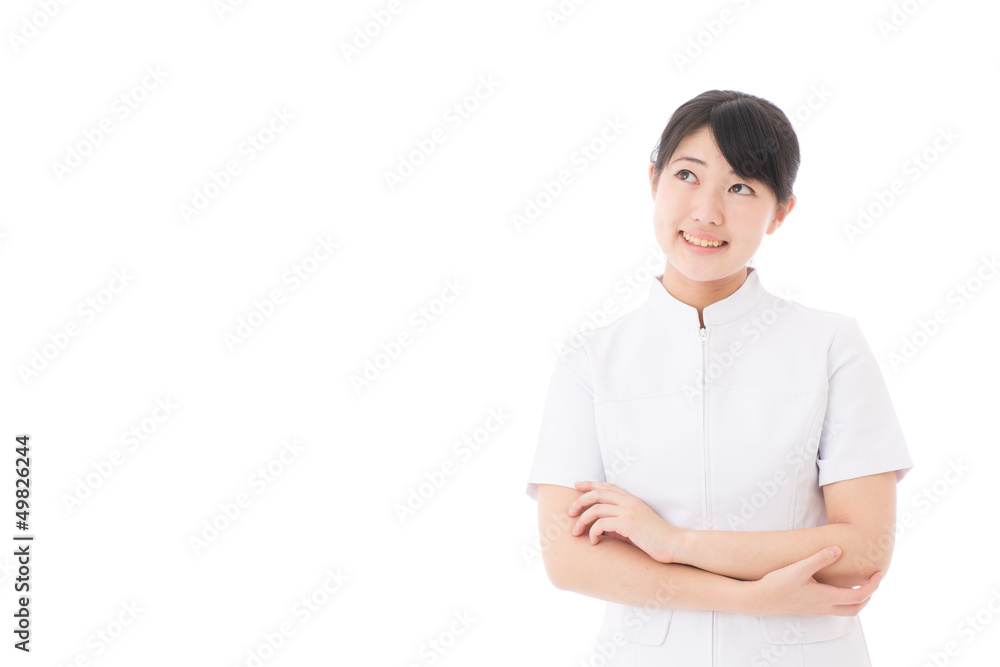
(862,522)
(615,571)
(618,572)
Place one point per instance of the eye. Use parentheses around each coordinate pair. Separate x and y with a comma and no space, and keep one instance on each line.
(683,171)
(747,190)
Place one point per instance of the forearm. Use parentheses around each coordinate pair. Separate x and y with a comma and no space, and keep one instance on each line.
(749,555)
(618,572)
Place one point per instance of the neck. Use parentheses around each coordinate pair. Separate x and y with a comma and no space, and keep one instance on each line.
(701,293)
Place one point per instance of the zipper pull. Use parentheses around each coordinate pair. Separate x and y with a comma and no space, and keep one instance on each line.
(704,335)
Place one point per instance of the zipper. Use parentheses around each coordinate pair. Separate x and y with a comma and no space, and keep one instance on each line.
(704,425)
(704,454)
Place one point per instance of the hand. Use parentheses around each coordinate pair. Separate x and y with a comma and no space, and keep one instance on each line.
(793,590)
(616,513)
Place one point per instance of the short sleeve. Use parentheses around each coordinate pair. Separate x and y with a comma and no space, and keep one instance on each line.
(567,450)
(861,433)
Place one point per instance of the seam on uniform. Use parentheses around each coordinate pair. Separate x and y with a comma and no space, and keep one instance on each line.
(801,462)
(638,398)
(583,383)
(770,392)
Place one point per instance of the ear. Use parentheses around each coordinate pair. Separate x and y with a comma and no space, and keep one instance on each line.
(652,183)
(781,214)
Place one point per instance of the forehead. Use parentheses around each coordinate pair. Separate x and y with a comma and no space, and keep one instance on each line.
(701,144)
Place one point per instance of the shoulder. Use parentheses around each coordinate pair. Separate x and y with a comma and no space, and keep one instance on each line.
(838,337)
(809,318)
(593,343)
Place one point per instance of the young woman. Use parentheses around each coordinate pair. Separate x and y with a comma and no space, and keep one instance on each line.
(720,464)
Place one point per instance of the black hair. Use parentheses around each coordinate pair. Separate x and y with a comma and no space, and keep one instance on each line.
(754,136)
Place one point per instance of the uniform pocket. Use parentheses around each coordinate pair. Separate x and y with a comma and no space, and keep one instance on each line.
(805,629)
(636,624)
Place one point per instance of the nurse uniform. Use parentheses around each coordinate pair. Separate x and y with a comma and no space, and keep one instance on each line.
(734,426)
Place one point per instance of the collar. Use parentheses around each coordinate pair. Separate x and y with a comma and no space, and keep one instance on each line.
(670,310)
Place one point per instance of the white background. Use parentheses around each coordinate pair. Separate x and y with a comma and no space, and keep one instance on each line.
(864,102)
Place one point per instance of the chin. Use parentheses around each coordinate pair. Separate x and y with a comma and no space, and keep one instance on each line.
(701,272)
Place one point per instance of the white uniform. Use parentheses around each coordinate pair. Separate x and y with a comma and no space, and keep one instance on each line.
(732,427)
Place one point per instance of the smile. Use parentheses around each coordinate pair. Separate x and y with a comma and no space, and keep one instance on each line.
(694,240)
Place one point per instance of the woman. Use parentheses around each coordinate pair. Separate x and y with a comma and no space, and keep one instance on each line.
(741,449)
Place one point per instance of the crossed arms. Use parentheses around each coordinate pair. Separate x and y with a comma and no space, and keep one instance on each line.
(607,544)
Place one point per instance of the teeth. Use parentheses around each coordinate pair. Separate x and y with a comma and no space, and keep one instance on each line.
(702,242)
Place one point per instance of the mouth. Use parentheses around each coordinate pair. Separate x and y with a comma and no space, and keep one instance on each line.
(701,243)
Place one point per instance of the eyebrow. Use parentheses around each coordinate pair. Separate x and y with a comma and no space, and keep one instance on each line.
(697,161)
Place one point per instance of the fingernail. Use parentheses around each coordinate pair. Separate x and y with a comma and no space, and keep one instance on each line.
(834,551)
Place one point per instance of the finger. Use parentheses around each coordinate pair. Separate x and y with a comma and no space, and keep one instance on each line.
(599,527)
(848,609)
(861,593)
(593,513)
(847,597)
(816,562)
(594,485)
(581,501)
(593,497)
(589,498)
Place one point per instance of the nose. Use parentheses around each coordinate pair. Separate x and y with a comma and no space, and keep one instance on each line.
(706,207)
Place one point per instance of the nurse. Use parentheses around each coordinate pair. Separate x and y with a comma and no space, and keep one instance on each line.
(720,464)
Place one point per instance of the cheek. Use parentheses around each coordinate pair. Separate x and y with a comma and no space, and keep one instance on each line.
(749,217)
(668,206)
